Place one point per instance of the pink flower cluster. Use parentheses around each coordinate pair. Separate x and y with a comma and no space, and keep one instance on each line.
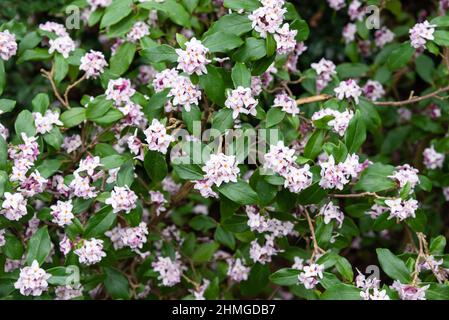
(338,175)
(93,64)
(8,45)
(193,59)
(324,69)
(241,101)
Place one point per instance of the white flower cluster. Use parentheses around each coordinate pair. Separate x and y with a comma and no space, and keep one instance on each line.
(62,213)
(241,101)
(33,184)
(410,291)
(383,36)
(340,121)
(311,275)
(263,254)
(260,224)
(93,64)
(170,271)
(24,156)
(421,33)
(68,292)
(63,45)
(331,212)
(338,175)
(370,288)
(281,160)
(221,168)
(139,30)
(287,103)
(349,32)
(32,280)
(336,4)
(72,143)
(433,159)
(122,199)
(348,89)
(406,174)
(268,18)
(237,270)
(356,11)
(120,91)
(8,45)
(91,251)
(157,137)
(135,237)
(158,200)
(55,28)
(14,206)
(324,69)
(285,39)
(373,90)
(44,123)
(402,209)
(193,59)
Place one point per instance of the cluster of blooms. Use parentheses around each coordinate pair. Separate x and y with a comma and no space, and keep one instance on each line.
(2,237)
(122,199)
(402,209)
(241,101)
(91,251)
(338,175)
(340,121)
(373,90)
(63,45)
(93,64)
(120,91)
(62,213)
(260,224)
(349,32)
(310,275)
(139,30)
(14,206)
(406,174)
(237,270)
(8,45)
(331,212)
(158,200)
(157,137)
(263,254)
(348,89)
(421,33)
(68,292)
(72,143)
(287,103)
(281,160)
(336,4)
(55,28)
(433,159)
(170,271)
(285,39)
(383,36)
(193,59)
(134,237)
(198,293)
(32,280)
(356,11)
(268,18)
(44,123)
(324,69)
(410,291)
(370,288)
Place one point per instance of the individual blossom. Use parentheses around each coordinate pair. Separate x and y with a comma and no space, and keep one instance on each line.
(99,4)
(410,291)
(116,237)
(241,101)
(349,32)
(146,74)
(287,103)
(383,36)
(4,132)
(88,165)
(376,210)
(170,271)
(63,45)
(356,11)
(433,159)
(267,19)
(54,27)
(193,59)
(373,90)
(134,115)
(401,209)
(404,114)
(406,174)
(205,188)
(14,206)
(169,185)
(298,263)
(44,123)
(324,69)
(32,280)
(348,89)
(158,200)
(221,168)
(421,33)
(446,193)
(434,111)
(336,4)
(332,212)
(120,91)
(65,245)
(311,275)
(285,39)
(91,251)
(8,45)
(122,199)
(139,30)
(72,143)
(33,184)
(237,271)
(62,213)
(157,137)
(93,64)
(256,86)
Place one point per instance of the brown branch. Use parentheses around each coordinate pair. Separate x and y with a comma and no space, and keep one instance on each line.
(412,99)
(320,97)
(49,76)
(70,87)
(316,247)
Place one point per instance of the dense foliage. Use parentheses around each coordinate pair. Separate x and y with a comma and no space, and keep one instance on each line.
(210,149)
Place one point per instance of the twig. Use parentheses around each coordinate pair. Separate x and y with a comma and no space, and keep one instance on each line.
(316,247)
(49,76)
(70,87)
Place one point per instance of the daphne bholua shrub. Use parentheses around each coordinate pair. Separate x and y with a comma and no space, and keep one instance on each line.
(177,149)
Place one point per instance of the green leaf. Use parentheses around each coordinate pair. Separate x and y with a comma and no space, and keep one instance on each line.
(437,291)
(113,115)
(113,161)
(231,23)
(125,176)
(274,116)
(356,134)
(247,5)
(303,29)
(3,153)
(123,58)
(40,103)
(285,277)
(98,107)
(253,49)
(100,222)
(37,54)
(13,248)
(48,167)
(202,223)
(239,192)
(344,268)
(116,283)
(314,145)
(189,171)
(441,21)
(437,245)
(241,76)
(441,38)
(225,237)
(54,138)
(115,12)
(61,68)
(177,13)
(155,165)
(352,70)
(341,291)
(73,117)
(394,267)
(6,105)
(236,223)
(375,178)
(222,42)
(222,120)
(162,53)
(191,117)
(39,246)
(204,252)
(213,84)
(400,57)
(25,123)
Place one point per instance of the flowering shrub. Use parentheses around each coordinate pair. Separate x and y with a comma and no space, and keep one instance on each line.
(210,149)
